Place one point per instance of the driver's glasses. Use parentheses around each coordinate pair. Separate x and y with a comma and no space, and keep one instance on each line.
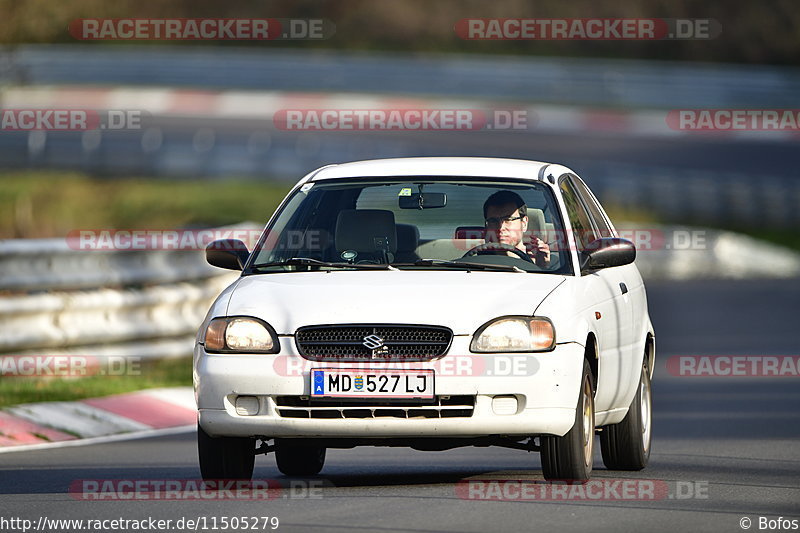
(496,222)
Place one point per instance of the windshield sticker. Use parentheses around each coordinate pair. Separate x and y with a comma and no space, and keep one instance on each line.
(405,191)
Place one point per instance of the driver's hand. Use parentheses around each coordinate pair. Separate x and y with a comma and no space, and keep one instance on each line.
(540,251)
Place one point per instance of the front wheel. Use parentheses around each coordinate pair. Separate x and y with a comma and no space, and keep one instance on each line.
(570,457)
(626,446)
(225,457)
(296,457)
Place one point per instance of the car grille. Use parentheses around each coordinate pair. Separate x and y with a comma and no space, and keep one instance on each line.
(397,342)
(441,407)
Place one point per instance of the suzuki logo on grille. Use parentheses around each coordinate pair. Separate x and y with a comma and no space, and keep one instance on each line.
(373,342)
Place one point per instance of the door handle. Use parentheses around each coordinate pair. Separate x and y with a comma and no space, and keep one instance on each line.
(623,288)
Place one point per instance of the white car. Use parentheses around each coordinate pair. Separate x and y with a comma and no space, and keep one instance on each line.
(430,303)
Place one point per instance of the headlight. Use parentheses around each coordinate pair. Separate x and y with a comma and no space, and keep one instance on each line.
(514,334)
(240,334)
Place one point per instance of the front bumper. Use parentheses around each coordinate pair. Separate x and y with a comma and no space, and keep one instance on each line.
(540,392)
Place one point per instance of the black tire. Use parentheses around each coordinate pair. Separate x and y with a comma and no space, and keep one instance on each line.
(570,458)
(225,457)
(626,446)
(297,457)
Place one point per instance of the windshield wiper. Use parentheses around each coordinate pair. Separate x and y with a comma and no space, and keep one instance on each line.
(307,261)
(461,264)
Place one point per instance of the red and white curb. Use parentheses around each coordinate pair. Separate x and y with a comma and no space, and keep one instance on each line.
(263,105)
(118,417)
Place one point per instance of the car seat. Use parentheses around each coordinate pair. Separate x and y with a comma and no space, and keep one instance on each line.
(366,234)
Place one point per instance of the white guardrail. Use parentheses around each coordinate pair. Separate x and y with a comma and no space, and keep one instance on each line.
(59,300)
(56,299)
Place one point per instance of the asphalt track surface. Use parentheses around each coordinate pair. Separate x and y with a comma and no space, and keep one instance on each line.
(725,448)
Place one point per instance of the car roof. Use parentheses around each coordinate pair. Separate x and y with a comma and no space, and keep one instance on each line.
(434,166)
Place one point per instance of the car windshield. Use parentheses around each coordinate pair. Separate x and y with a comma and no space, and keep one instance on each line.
(415,223)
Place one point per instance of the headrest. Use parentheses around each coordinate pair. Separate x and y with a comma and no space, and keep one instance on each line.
(470,232)
(407,237)
(366,230)
(536,222)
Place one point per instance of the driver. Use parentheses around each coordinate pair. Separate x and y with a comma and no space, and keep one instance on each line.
(506,218)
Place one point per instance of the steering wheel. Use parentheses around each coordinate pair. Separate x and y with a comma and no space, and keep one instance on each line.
(489,247)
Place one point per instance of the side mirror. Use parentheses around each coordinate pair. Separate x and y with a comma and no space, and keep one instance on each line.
(227,253)
(607,252)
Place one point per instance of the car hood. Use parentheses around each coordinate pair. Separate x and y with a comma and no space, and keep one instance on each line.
(460,300)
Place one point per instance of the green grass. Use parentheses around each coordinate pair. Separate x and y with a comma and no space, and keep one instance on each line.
(38,204)
(790,238)
(51,204)
(176,372)
(786,237)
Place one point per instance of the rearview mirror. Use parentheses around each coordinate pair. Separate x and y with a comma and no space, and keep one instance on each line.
(607,252)
(227,253)
(426,200)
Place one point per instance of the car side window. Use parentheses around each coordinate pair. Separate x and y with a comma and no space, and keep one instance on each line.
(604,229)
(579,218)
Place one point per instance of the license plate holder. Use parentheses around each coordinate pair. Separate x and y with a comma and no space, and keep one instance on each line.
(379,383)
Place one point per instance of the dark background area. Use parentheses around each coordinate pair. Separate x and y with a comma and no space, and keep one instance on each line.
(752,32)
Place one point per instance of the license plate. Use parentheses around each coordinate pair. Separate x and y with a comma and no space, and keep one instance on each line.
(353,383)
